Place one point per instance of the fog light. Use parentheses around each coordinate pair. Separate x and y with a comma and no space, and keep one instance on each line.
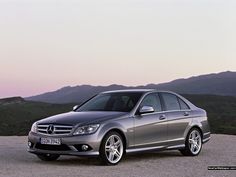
(84,147)
(29,144)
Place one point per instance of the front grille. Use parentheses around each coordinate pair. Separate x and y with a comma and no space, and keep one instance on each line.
(61,147)
(52,129)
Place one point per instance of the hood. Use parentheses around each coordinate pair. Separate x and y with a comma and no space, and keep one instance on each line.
(73,118)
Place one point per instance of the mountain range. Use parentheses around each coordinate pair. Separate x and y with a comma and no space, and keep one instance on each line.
(216,93)
(223,84)
(17,114)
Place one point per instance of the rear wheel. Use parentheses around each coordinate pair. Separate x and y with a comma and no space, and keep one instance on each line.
(48,157)
(112,149)
(193,143)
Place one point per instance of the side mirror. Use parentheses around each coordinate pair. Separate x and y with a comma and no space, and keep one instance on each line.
(146,109)
(75,107)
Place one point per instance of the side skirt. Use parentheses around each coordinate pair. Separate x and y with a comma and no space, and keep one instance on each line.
(160,148)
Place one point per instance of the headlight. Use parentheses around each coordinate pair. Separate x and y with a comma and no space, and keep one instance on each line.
(34,128)
(88,129)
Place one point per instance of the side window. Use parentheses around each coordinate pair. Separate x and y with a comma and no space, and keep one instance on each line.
(152,100)
(183,105)
(171,101)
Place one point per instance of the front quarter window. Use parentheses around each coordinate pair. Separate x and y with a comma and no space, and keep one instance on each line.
(153,101)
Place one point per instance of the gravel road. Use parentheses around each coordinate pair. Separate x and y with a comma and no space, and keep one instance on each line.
(15,161)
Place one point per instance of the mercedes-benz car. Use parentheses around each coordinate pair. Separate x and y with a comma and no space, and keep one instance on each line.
(114,123)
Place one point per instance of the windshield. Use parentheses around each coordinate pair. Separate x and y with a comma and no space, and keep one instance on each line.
(121,102)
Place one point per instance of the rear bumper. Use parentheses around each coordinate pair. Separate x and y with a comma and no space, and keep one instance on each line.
(69,145)
(206,137)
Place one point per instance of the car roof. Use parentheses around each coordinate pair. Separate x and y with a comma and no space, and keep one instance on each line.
(141,90)
(130,90)
(137,90)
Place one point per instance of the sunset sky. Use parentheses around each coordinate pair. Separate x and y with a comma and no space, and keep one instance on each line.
(48,44)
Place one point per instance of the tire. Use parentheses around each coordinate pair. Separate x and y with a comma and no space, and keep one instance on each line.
(193,143)
(48,157)
(111,149)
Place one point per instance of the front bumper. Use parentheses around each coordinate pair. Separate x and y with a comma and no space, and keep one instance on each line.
(69,145)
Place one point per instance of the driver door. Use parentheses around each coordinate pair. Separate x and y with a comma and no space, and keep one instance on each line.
(150,128)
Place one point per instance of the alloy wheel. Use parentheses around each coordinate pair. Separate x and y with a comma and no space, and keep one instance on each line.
(114,149)
(195,142)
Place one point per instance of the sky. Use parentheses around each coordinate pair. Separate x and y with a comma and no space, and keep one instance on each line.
(49,44)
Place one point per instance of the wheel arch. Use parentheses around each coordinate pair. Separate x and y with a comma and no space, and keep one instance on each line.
(192,127)
(118,130)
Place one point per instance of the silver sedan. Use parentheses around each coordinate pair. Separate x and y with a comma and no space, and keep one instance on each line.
(113,123)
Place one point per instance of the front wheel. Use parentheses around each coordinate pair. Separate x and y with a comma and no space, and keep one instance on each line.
(193,143)
(112,148)
(48,157)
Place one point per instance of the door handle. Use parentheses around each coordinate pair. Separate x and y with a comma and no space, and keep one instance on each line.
(186,113)
(162,117)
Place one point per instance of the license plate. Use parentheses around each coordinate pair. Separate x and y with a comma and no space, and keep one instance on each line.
(51,141)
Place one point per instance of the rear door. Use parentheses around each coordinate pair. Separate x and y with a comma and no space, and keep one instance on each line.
(178,116)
